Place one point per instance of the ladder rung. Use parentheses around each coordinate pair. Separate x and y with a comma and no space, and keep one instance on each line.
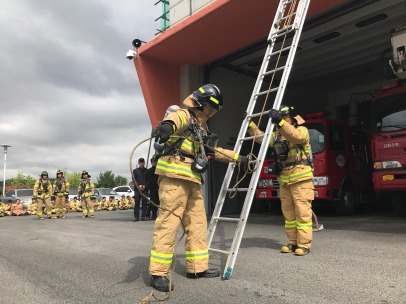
(273,71)
(282,31)
(289,1)
(258,114)
(252,137)
(286,17)
(280,51)
(266,92)
(220,251)
(227,219)
(238,190)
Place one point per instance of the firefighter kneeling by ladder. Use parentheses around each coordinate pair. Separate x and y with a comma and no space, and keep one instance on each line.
(179,168)
(294,168)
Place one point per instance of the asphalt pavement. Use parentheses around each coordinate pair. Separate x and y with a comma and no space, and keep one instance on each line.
(358,259)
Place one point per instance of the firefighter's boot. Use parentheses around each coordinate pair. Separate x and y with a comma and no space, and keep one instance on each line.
(63,216)
(41,218)
(84,216)
(288,248)
(302,251)
(209,273)
(160,283)
(92,216)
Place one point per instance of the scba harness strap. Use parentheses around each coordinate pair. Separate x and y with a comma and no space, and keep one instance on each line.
(282,152)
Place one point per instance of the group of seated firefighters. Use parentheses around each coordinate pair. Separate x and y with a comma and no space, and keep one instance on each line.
(73,206)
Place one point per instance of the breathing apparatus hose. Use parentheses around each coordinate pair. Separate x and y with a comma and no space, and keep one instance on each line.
(248,170)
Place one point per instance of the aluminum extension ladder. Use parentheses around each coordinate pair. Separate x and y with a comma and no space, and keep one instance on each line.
(279,29)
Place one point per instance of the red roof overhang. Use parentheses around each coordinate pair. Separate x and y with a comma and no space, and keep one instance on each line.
(218,29)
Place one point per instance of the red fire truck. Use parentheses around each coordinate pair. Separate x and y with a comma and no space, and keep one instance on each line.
(387,144)
(341,173)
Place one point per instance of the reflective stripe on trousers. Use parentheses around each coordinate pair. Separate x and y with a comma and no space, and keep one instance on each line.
(197,254)
(162,258)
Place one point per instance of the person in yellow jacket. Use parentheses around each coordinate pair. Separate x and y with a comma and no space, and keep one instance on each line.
(1,209)
(103,203)
(123,204)
(32,207)
(179,169)
(292,144)
(95,203)
(111,204)
(17,208)
(61,192)
(73,204)
(7,207)
(131,202)
(42,192)
(86,193)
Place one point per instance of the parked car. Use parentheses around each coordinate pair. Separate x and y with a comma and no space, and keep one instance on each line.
(124,190)
(105,192)
(72,193)
(24,195)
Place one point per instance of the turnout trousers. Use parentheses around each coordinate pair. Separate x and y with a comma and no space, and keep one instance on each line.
(48,206)
(184,198)
(87,205)
(296,202)
(60,205)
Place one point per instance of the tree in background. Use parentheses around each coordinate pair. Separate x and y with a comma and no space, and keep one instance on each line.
(120,181)
(106,180)
(21,181)
(74,178)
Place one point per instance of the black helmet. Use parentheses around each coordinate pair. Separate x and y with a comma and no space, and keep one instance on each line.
(286,110)
(85,172)
(44,173)
(59,172)
(210,95)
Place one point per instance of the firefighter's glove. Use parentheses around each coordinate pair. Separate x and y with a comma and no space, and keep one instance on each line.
(163,131)
(276,116)
(243,160)
(56,191)
(92,197)
(52,198)
(66,195)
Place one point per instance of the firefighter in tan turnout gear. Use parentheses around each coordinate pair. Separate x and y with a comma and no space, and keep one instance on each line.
(179,169)
(61,193)
(86,193)
(295,175)
(42,192)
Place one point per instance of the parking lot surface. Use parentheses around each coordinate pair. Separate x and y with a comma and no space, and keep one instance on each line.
(358,259)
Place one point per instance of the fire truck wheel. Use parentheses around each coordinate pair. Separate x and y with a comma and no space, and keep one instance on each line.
(347,203)
(399,203)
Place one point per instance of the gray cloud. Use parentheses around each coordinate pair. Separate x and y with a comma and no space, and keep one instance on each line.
(69,97)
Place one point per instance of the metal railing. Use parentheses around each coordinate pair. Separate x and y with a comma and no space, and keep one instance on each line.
(164,18)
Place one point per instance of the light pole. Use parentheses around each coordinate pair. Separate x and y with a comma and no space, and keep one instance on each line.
(4,173)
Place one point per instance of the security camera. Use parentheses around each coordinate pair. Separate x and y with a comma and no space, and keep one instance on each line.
(131,54)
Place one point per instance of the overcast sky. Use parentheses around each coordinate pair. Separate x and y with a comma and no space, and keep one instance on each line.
(69,97)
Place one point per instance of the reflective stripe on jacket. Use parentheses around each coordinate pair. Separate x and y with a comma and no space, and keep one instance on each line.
(295,136)
(39,187)
(89,188)
(64,188)
(175,167)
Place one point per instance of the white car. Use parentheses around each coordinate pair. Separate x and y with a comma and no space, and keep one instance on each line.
(125,190)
